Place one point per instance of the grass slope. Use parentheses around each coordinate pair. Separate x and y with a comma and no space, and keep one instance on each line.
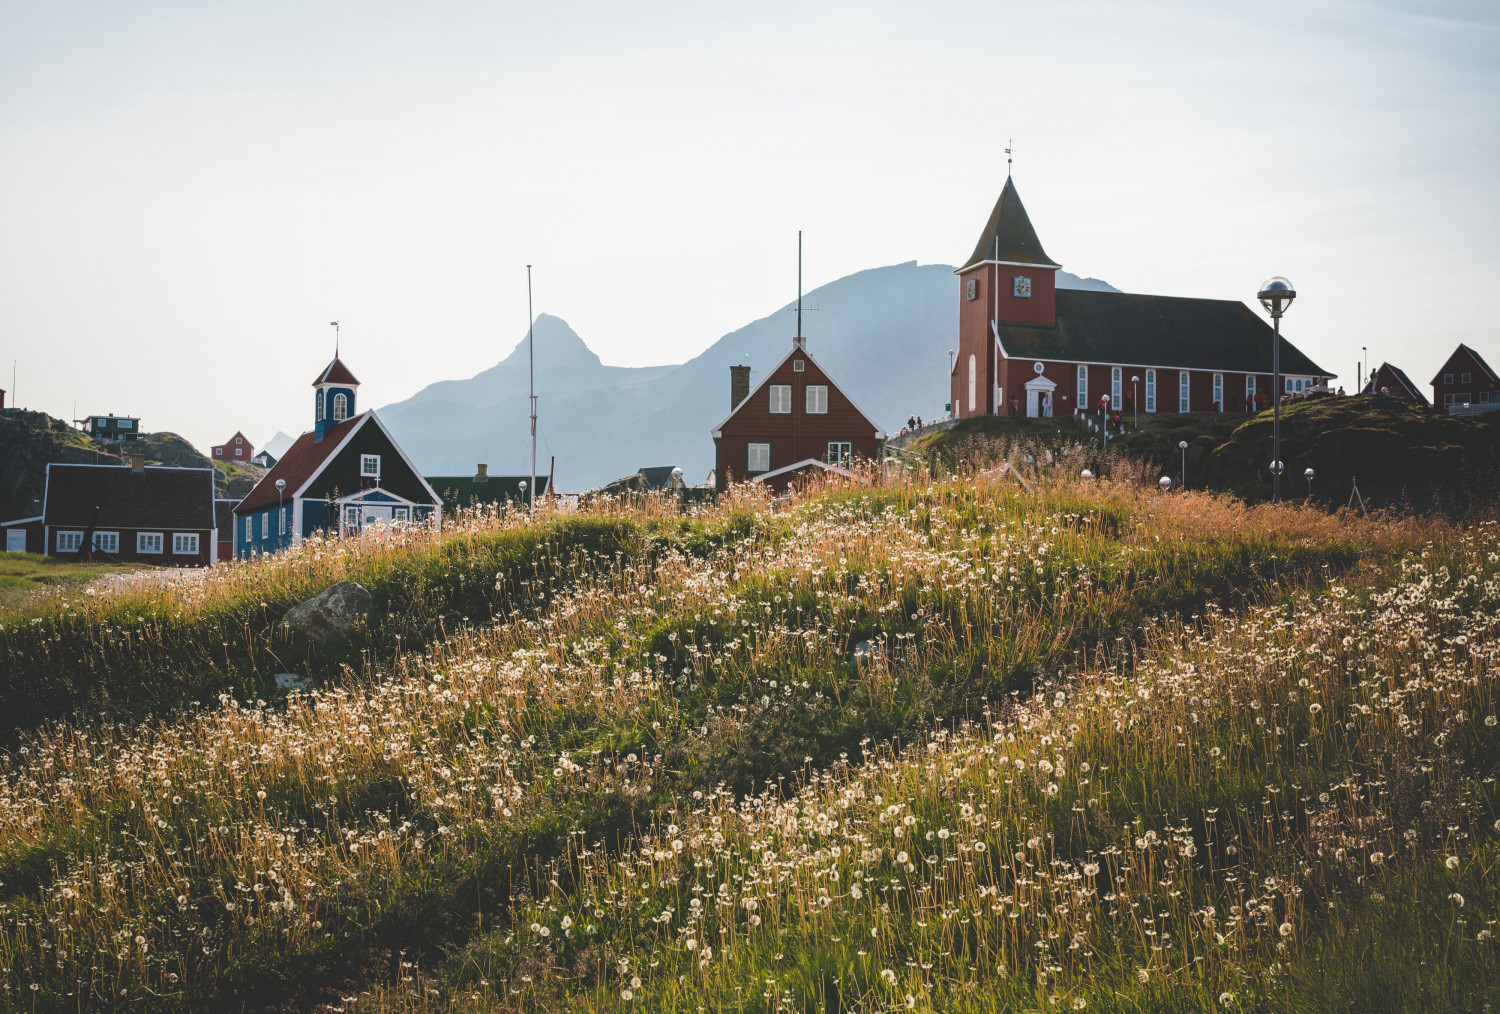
(742,709)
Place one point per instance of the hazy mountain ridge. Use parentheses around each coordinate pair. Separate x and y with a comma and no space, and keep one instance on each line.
(883,334)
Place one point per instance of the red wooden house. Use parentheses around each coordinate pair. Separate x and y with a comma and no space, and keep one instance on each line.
(1026,347)
(795,422)
(1466,383)
(236,448)
(1392,381)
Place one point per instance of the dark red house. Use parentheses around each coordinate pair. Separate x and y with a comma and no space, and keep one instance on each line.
(1026,347)
(795,421)
(131,513)
(1392,381)
(236,448)
(1465,383)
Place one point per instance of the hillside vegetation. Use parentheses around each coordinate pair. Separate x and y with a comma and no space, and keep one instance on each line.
(29,441)
(931,746)
(1402,455)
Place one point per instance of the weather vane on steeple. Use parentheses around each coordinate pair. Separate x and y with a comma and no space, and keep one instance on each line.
(336,332)
(1008,143)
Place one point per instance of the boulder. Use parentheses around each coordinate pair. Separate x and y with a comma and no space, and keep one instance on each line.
(323,620)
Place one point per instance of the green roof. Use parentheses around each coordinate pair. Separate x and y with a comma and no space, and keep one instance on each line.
(1127,329)
(1008,235)
(470,491)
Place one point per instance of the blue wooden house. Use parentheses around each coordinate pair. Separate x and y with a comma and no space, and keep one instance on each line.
(346,475)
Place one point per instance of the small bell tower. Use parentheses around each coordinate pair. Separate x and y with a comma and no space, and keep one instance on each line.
(333,400)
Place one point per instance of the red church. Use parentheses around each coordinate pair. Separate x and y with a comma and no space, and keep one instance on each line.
(796,422)
(1029,348)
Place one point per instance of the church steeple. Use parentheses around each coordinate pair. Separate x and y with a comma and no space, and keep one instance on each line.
(334,397)
(1008,236)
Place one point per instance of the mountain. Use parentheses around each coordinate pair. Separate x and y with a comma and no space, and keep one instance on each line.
(884,334)
(277,445)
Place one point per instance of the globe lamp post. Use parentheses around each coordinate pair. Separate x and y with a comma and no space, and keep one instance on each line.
(1135,400)
(1308,475)
(1164,483)
(280,515)
(1182,446)
(1276,294)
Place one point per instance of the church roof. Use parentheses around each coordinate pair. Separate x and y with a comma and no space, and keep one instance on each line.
(335,373)
(301,462)
(1008,235)
(1172,332)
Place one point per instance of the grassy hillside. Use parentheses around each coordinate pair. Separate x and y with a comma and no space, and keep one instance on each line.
(935,747)
(29,441)
(1403,456)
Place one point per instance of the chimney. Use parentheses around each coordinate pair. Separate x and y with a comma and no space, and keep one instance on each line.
(138,463)
(483,473)
(739,385)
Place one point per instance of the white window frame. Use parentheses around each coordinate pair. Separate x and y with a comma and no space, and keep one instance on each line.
(239,440)
(1218,392)
(1083,388)
(351,517)
(340,407)
(817,399)
(68,542)
(1249,392)
(840,453)
(369,466)
(779,399)
(148,542)
(799,365)
(1116,386)
(1150,390)
(106,542)
(265,524)
(318,404)
(1466,378)
(757,452)
(1447,378)
(184,543)
(1184,391)
(400,515)
(973,381)
(281,519)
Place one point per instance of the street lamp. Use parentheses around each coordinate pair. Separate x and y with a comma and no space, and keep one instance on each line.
(1135,400)
(280,510)
(1086,474)
(1276,294)
(523,492)
(1309,476)
(1165,482)
(1182,446)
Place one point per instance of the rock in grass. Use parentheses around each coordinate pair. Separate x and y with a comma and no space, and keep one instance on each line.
(323,620)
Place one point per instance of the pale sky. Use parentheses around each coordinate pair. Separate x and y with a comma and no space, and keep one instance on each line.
(190,192)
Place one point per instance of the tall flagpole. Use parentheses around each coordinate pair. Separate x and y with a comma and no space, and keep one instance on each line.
(531,365)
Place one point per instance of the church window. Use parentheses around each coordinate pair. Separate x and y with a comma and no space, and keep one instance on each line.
(369,466)
(265,524)
(1150,390)
(281,521)
(781,399)
(1184,399)
(1083,388)
(1218,392)
(318,404)
(973,381)
(1116,381)
(758,457)
(817,399)
(340,407)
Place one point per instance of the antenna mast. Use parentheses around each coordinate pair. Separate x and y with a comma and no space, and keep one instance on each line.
(531,367)
(799,341)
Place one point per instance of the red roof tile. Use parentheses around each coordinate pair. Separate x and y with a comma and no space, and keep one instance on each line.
(335,373)
(296,466)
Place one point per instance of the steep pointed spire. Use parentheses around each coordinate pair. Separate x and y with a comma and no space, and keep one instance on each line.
(1008,235)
